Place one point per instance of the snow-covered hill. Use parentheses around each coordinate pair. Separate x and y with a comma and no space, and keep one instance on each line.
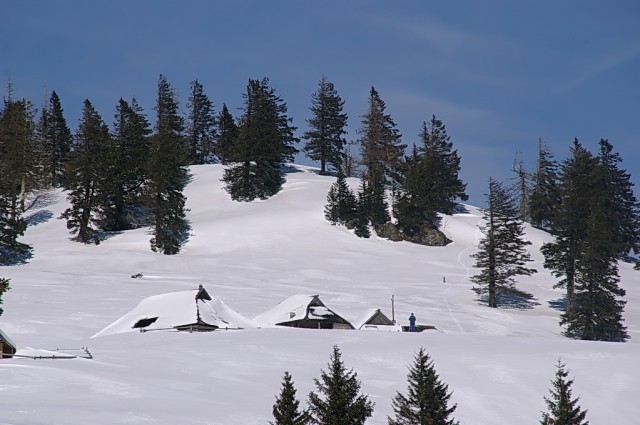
(498,362)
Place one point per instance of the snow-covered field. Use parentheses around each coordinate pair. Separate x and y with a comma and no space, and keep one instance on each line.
(498,362)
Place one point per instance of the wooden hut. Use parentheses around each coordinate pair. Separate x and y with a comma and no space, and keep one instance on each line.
(303,311)
(375,319)
(7,347)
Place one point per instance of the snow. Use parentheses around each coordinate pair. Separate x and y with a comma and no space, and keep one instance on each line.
(498,362)
(176,309)
(292,309)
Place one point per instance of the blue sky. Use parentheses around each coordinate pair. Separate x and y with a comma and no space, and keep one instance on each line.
(500,74)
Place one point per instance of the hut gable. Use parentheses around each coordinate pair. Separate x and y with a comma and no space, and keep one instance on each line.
(7,346)
(375,319)
(303,311)
(186,310)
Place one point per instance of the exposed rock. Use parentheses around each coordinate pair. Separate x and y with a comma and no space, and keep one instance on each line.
(425,235)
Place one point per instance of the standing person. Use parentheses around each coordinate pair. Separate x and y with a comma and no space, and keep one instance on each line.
(412,323)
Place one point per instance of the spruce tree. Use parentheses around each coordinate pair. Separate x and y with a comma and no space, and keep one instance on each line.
(502,252)
(325,141)
(562,408)
(382,155)
(167,174)
(264,143)
(85,173)
(227,133)
(341,205)
(545,195)
(338,400)
(201,126)
(569,221)
(286,408)
(59,141)
(127,155)
(522,187)
(361,221)
(427,399)
(4,287)
(17,168)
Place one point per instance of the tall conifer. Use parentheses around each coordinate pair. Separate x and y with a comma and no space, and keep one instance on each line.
(286,408)
(201,126)
(85,173)
(227,133)
(427,399)
(4,287)
(325,141)
(502,252)
(59,141)
(562,408)
(167,174)
(545,195)
(338,400)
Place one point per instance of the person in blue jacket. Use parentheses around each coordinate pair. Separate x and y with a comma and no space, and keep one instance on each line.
(412,323)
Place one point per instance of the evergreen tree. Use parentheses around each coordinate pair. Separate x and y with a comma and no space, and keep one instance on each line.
(427,399)
(545,195)
(227,133)
(59,141)
(569,222)
(341,205)
(382,154)
(201,126)
(325,137)
(127,154)
(622,207)
(4,287)
(16,168)
(338,401)
(502,252)
(85,174)
(522,187)
(264,143)
(562,409)
(361,228)
(167,174)
(285,409)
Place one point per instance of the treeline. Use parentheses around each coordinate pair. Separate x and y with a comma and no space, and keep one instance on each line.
(427,400)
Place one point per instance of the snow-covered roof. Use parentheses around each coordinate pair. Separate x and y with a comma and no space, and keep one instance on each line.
(6,339)
(368,315)
(292,309)
(177,309)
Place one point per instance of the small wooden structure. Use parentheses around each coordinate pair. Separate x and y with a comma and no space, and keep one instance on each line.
(7,347)
(374,319)
(303,311)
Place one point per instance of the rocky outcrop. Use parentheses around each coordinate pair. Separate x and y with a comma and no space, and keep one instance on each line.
(425,235)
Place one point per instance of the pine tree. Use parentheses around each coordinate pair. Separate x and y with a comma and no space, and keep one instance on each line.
(227,133)
(545,195)
(341,205)
(502,252)
(4,287)
(201,126)
(569,222)
(325,137)
(128,152)
(562,409)
(376,205)
(85,174)
(59,141)
(338,401)
(167,174)
(264,143)
(427,399)
(286,408)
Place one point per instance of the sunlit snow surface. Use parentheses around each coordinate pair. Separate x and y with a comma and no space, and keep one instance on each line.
(497,362)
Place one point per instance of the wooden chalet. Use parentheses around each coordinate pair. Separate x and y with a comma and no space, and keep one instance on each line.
(303,311)
(374,319)
(7,347)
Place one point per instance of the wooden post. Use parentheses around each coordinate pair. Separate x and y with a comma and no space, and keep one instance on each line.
(393,310)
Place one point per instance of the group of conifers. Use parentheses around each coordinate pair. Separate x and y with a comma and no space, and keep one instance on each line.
(338,400)
(133,174)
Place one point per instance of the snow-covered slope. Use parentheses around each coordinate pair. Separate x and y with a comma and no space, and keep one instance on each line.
(497,362)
